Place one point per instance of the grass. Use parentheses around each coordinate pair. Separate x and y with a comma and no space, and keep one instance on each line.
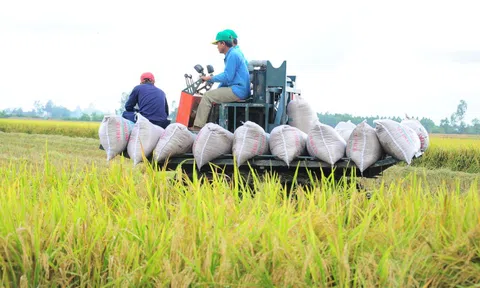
(69,218)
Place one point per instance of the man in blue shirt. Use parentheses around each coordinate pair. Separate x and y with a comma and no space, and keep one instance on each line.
(234,80)
(152,102)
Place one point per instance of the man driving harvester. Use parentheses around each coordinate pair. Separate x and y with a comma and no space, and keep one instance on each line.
(234,80)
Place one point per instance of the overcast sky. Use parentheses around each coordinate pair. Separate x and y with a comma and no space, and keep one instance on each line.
(360,57)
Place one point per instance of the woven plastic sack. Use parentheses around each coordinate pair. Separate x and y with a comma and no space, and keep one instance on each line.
(345,129)
(114,133)
(301,114)
(397,140)
(211,142)
(325,143)
(363,146)
(175,140)
(143,139)
(249,140)
(287,142)
(420,130)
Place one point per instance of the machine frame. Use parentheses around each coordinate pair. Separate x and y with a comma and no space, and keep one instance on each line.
(272,90)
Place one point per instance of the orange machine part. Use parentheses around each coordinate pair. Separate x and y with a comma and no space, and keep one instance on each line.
(187,108)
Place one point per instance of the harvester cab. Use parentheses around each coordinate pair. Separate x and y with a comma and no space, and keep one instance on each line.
(271,91)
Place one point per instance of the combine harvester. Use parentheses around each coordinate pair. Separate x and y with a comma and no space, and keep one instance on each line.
(274,111)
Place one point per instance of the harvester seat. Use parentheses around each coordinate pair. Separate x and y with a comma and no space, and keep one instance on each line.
(247,100)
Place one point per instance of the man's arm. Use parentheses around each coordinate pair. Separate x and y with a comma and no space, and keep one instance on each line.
(229,73)
(132,101)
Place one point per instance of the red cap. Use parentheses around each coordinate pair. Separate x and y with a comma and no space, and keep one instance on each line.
(147,75)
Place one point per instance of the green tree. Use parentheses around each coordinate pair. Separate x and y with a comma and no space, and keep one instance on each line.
(456,119)
(60,112)
(445,125)
(39,108)
(428,124)
(77,113)
(476,126)
(123,100)
(17,112)
(461,110)
(97,117)
(173,112)
(49,107)
(84,117)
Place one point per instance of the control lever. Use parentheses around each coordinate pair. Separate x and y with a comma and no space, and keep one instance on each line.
(200,70)
(209,69)
(189,81)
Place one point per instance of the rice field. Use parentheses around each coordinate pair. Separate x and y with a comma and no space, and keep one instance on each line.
(51,127)
(458,153)
(68,218)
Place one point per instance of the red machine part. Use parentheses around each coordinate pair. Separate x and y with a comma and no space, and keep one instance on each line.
(187,108)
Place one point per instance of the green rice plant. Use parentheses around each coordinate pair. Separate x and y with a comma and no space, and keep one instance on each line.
(456,154)
(51,127)
(92,224)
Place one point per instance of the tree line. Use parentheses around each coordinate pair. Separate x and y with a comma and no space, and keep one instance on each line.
(454,124)
(50,110)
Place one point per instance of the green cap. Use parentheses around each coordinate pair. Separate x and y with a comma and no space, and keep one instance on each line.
(222,36)
(232,33)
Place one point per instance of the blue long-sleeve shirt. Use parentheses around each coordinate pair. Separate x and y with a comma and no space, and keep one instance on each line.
(151,100)
(241,53)
(235,74)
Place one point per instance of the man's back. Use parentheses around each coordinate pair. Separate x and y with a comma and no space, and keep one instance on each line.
(241,53)
(243,76)
(151,102)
